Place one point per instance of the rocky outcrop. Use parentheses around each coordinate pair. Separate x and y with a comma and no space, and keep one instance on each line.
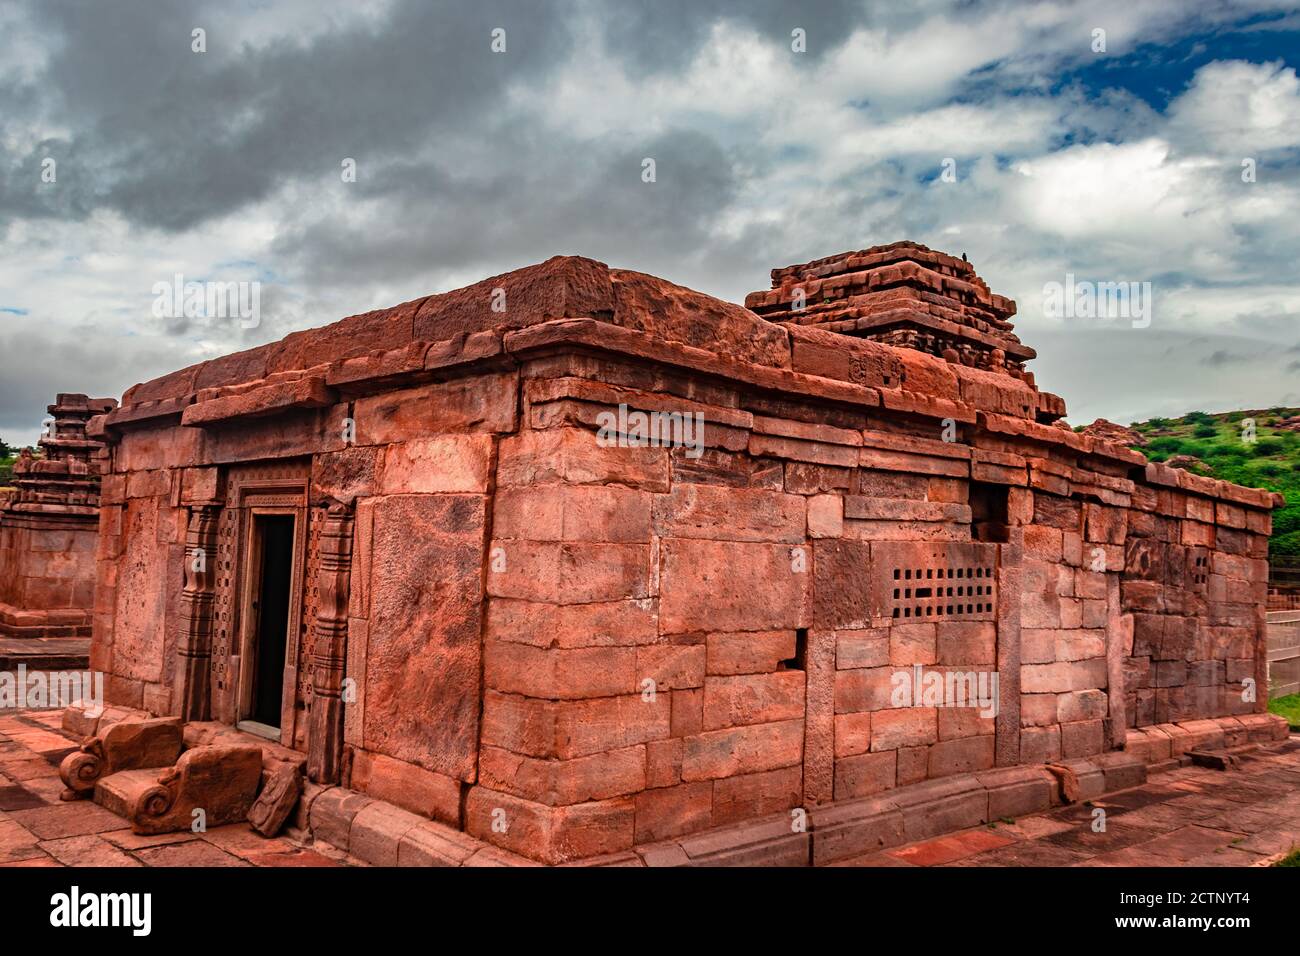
(1119,434)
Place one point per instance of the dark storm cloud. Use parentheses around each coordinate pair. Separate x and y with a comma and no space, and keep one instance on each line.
(565,196)
(471,163)
(38,365)
(1222,357)
(170,138)
(664,36)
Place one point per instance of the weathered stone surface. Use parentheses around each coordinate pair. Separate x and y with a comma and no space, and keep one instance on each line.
(280,792)
(221,781)
(572,513)
(125,745)
(628,623)
(841,592)
(422,673)
(748,652)
(739,750)
(486,403)
(753,699)
(730,514)
(745,586)
(412,788)
(447,463)
(569,572)
(573,455)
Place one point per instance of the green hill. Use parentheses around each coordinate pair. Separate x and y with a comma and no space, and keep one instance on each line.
(1272,461)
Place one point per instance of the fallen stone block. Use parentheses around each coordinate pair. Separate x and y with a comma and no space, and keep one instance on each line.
(118,791)
(280,793)
(1214,759)
(1079,780)
(220,782)
(87,718)
(126,745)
(82,718)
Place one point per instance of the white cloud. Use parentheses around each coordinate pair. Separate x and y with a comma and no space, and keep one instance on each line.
(1239,109)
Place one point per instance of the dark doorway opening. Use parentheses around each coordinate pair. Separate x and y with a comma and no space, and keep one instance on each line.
(988,505)
(275,541)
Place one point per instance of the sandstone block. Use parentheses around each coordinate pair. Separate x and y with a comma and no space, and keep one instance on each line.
(865,774)
(748,652)
(756,794)
(753,699)
(672,811)
(903,727)
(751,749)
(730,514)
(744,586)
(445,464)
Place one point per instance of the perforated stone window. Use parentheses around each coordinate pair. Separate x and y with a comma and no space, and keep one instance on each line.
(942,591)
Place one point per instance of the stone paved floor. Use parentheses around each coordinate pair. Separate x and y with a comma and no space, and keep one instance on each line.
(1188,817)
(37,829)
(1193,816)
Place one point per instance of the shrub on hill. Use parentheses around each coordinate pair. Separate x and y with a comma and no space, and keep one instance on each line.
(1272,461)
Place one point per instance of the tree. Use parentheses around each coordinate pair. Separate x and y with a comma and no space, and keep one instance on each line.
(6,449)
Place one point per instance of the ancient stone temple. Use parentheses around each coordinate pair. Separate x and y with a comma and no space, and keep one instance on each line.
(574,561)
(49,527)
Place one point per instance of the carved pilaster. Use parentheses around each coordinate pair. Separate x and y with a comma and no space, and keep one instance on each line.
(329,655)
(194,653)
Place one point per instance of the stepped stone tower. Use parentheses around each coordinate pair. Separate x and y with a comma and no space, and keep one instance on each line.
(902,294)
(49,526)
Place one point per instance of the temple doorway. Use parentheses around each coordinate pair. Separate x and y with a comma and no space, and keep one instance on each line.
(272,584)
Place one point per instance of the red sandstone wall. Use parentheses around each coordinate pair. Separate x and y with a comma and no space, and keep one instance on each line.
(424,459)
(140,551)
(45,570)
(1195,580)
(419,468)
(47,528)
(753,587)
(614,645)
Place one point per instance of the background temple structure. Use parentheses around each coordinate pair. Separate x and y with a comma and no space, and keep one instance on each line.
(49,526)
(406,552)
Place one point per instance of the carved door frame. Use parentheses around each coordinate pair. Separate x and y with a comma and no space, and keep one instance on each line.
(267,496)
(250,580)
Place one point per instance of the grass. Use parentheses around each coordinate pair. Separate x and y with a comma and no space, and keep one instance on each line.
(1271,461)
(1291,859)
(1288,707)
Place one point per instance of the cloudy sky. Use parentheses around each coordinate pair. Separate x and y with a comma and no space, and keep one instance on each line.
(1122,165)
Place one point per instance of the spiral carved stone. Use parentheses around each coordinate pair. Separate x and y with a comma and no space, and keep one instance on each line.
(79,771)
(219,779)
(155,802)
